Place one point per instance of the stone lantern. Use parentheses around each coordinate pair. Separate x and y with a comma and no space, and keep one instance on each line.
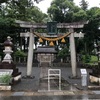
(8,50)
(8,64)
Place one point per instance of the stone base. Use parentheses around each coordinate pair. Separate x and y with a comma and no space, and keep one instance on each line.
(94,87)
(4,87)
(16,75)
(94,79)
(16,79)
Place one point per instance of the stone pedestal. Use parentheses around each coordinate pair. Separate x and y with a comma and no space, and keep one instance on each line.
(94,76)
(94,79)
(16,75)
(2,88)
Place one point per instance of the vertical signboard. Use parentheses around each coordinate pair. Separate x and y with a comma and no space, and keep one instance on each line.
(52,28)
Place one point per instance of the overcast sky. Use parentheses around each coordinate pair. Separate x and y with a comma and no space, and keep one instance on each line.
(43,5)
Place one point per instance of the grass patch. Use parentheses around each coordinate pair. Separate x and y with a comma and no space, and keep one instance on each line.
(90,59)
(94,59)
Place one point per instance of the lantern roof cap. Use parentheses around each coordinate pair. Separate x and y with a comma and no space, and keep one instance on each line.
(8,42)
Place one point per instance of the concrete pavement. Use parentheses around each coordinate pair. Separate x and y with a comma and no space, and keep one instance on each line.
(34,84)
(31,88)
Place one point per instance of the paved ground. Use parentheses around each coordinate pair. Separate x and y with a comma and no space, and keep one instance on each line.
(34,84)
(71,88)
(66,97)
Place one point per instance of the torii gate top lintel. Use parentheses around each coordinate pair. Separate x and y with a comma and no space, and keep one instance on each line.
(44,25)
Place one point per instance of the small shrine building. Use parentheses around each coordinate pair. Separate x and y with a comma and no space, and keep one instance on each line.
(45,54)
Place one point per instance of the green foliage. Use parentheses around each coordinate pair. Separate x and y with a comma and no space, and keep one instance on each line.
(6,22)
(2,1)
(84,4)
(86,58)
(36,15)
(20,54)
(17,10)
(79,45)
(63,53)
(93,13)
(60,10)
(5,79)
(94,59)
(80,15)
(90,59)
(66,11)
(1,55)
(22,10)
(92,31)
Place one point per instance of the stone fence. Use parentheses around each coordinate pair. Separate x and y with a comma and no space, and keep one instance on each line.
(17,60)
(20,59)
(58,63)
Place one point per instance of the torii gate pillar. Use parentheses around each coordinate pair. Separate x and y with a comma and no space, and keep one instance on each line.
(30,53)
(73,53)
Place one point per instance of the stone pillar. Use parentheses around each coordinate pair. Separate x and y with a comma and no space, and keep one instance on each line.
(30,54)
(73,52)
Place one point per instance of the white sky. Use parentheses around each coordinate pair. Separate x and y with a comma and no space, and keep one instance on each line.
(43,5)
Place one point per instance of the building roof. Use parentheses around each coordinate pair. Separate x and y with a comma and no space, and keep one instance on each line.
(45,50)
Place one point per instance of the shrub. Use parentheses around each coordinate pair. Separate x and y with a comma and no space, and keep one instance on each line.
(20,54)
(5,79)
(63,53)
(87,58)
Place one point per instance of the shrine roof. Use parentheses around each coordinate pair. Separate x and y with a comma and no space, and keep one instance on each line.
(45,50)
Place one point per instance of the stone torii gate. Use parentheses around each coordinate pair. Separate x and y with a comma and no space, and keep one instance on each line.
(69,26)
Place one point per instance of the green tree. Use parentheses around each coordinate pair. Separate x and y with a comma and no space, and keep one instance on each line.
(3,1)
(59,9)
(93,13)
(91,30)
(37,15)
(20,10)
(24,10)
(84,4)
(63,53)
(80,15)
(66,11)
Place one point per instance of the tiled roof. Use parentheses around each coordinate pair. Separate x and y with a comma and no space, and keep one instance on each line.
(45,50)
